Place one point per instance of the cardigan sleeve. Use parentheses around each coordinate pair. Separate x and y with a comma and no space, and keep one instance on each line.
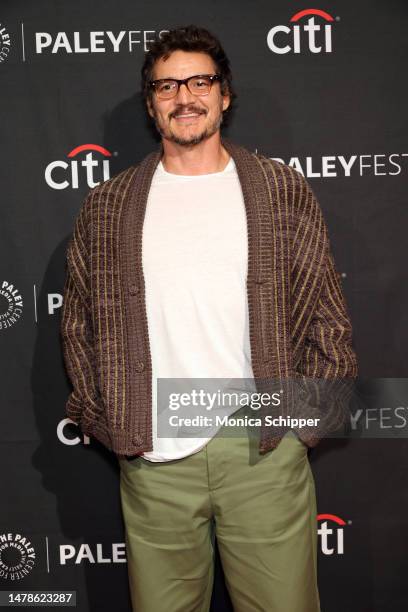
(326,363)
(76,326)
(320,320)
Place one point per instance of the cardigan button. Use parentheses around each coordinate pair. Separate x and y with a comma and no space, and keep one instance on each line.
(133,289)
(139,366)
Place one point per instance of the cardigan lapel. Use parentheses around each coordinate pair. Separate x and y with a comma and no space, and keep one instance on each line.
(138,379)
(268,282)
(262,283)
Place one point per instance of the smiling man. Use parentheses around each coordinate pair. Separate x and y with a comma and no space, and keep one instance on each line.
(203,261)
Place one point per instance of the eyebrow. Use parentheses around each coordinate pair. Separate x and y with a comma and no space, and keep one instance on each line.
(176,79)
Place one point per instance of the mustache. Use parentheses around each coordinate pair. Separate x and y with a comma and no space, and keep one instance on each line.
(187,109)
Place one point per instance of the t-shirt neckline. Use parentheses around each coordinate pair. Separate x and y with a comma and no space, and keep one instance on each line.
(230,165)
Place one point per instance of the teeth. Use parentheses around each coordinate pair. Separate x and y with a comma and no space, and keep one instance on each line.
(188,115)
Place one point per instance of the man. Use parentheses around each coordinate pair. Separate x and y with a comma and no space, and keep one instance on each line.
(203,261)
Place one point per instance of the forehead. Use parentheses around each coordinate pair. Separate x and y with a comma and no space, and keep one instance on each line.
(182,64)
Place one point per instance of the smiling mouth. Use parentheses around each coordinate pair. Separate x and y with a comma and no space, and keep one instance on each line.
(186,116)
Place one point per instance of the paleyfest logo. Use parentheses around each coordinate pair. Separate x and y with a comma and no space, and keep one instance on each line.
(331,533)
(95,41)
(61,174)
(11,304)
(301,35)
(5,43)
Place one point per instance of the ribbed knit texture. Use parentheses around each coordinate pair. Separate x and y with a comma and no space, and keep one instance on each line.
(298,320)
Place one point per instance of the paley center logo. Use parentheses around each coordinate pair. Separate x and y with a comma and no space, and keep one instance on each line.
(17,556)
(11,304)
(301,35)
(5,43)
(331,533)
(94,167)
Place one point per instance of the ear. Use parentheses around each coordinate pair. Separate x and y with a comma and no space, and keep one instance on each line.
(149,107)
(226,101)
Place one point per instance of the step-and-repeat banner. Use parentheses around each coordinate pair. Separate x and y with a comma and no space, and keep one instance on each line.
(320,87)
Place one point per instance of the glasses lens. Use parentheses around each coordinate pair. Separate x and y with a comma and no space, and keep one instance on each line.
(200,86)
(166,89)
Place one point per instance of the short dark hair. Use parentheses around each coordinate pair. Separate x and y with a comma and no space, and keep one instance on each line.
(195,39)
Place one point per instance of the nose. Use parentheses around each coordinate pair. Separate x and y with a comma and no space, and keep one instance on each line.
(184,96)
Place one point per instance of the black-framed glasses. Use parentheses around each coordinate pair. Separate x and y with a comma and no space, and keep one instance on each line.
(198,85)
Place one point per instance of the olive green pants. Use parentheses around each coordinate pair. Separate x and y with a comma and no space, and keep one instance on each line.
(262,509)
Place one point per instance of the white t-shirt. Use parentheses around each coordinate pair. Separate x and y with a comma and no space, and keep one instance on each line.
(194,256)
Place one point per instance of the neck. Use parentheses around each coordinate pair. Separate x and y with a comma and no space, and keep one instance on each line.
(205,158)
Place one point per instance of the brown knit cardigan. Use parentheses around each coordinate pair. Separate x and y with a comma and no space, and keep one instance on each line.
(298,320)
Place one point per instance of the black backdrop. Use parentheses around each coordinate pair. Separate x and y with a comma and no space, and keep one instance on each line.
(71,115)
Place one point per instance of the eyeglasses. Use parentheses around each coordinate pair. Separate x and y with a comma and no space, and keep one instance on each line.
(199,85)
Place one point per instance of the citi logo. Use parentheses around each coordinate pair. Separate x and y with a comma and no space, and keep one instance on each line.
(61,174)
(305,36)
(331,534)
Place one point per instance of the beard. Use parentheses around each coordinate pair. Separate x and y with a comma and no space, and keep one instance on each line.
(167,133)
